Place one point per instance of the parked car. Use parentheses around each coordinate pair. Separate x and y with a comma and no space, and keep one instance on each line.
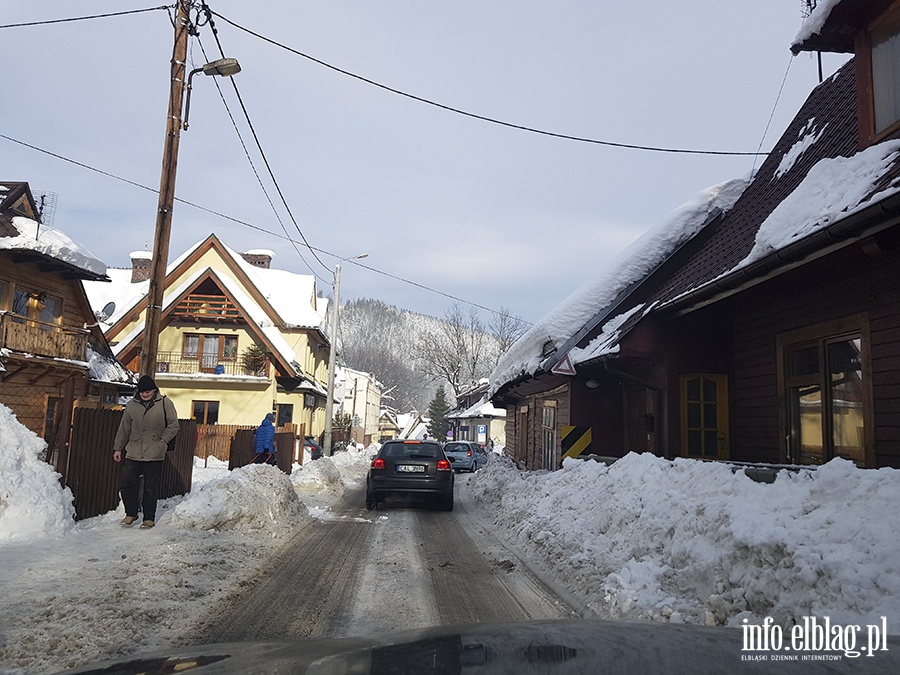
(466,455)
(312,446)
(412,469)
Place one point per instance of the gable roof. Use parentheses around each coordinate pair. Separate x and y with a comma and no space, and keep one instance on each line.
(269,300)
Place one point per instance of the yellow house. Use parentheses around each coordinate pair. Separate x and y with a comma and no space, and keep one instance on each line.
(237,339)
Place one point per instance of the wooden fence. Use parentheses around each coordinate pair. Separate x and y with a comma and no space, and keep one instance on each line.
(94,477)
(243,449)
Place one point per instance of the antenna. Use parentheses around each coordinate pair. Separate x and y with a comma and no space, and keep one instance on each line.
(46,203)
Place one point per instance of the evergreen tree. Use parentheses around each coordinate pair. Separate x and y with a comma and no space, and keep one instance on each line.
(438,424)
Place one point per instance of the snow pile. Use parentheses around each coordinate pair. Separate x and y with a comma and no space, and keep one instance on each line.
(254,497)
(32,503)
(691,541)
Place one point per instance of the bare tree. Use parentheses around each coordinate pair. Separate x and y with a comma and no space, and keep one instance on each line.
(505,327)
(455,350)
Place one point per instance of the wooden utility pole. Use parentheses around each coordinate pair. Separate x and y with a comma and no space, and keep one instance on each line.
(150,344)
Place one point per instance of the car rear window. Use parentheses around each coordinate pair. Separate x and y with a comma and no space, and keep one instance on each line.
(410,449)
(455,447)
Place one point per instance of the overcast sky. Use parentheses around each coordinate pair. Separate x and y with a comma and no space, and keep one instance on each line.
(478,211)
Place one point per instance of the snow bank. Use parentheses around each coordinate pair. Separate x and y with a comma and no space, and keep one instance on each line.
(33,505)
(691,541)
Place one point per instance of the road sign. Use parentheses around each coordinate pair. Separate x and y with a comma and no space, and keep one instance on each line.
(563,367)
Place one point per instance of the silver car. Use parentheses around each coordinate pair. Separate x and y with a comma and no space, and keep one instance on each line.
(465,455)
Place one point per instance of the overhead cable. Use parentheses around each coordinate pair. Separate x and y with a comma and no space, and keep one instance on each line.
(249,225)
(84,18)
(581,139)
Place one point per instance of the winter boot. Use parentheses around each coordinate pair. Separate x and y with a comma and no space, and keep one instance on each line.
(128,520)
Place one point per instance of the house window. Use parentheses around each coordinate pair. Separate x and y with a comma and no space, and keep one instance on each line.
(548,433)
(704,416)
(210,350)
(37,306)
(284,414)
(885,55)
(826,394)
(205,412)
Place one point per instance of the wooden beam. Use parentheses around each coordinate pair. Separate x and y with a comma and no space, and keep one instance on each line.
(49,370)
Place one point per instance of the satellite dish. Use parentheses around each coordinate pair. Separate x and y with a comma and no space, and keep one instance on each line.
(106,312)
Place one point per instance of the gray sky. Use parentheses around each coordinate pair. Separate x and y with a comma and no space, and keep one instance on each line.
(482,212)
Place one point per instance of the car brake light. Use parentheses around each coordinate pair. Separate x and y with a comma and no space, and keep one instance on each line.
(469,453)
(378,463)
(443,465)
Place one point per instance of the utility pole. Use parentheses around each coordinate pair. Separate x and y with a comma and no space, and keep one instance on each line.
(332,357)
(150,344)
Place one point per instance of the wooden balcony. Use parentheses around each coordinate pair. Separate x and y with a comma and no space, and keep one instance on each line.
(21,334)
(207,309)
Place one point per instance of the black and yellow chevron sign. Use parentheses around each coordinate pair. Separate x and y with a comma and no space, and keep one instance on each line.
(575,440)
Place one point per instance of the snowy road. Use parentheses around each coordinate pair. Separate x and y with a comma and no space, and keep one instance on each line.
(367,572)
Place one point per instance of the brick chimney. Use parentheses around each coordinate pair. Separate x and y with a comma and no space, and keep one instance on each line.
(259,257)
(140,265)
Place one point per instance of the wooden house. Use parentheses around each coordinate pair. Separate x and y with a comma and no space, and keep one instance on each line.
(53,356)
(238,339)
(764,327)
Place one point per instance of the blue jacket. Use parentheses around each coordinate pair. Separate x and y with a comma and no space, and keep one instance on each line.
(265,437)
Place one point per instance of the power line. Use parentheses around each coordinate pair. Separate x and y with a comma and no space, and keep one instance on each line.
(259,179)
(250,225)
(581,139)
(84,18)
(208,13)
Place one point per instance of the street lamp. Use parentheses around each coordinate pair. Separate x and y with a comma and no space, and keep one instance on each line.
(221,67)
(156,288)
(329,400)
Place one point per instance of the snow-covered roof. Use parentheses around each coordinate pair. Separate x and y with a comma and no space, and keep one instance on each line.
(284,291)
(794,196)
(812,25)
(104,368)
(52,243)
(482,408)
(290,295)
(601,291)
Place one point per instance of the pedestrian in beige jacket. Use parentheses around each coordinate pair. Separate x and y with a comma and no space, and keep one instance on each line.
(149,422)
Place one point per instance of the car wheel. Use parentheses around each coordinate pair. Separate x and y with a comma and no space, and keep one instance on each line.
(448,503)
(371,503)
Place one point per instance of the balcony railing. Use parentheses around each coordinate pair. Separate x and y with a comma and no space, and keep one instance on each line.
(215,308)
(177,363)
(21,334)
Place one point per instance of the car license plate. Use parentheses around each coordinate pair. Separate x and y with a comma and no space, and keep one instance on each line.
(411,468)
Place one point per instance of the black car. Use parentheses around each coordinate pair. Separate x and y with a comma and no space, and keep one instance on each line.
(412,469)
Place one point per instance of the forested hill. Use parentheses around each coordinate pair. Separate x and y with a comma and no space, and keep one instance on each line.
(381,339)
(413,354)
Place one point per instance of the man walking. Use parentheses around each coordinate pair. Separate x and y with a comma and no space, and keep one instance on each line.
(149,422)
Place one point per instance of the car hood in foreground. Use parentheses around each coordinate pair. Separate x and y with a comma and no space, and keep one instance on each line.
(567,646)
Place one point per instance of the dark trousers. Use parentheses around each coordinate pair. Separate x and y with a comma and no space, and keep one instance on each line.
(131,480)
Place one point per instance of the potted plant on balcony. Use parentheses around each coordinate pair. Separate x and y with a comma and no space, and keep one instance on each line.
(254,360)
